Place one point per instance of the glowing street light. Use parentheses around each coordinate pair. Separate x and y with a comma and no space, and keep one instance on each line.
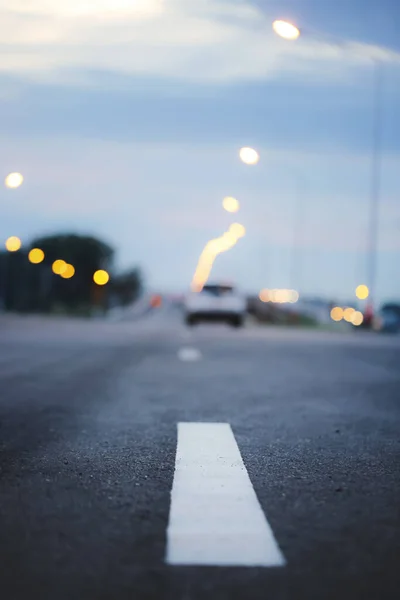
(348,314)
(249,156)
(357,318)
(101,277)
(68,272)
(337,314)
(211,250)
(238,230)
(286,30)
(362,292)
(13,244)
(36,256)
(13,180)
(59,267)
(230,204)
(264,295)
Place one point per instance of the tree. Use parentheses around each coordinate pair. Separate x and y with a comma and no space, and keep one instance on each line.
(87,254)
(126,287)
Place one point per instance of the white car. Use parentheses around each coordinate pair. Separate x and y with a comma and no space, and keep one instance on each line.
(215,302)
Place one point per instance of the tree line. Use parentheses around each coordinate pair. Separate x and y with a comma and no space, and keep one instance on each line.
(27,287)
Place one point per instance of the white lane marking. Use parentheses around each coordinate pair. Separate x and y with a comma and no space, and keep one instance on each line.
(215,518)
(189,354)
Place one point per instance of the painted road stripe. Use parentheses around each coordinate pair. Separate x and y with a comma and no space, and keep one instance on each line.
(215,517)
(189,354)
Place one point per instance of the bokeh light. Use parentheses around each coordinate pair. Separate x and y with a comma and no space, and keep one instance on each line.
(264,295)
(238,230)
(286,30)
(279,296)
(101,277)
(13,244)
(211,250)
(36,256)
(249,156)
(59,267)
(337,314)
(275,296)
(357,318)
(13,180)
(362,292)
(68,272)
(348,314)
(228,240)
(230,204)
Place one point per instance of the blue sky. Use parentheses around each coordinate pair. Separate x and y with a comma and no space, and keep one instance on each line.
(126,118)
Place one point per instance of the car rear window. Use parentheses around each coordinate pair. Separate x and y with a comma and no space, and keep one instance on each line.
(217,290)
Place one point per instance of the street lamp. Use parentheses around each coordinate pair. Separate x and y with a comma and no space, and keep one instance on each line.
(288,31)
(13,180)
(249,156)
(101,277)
(230,204)
(13,244)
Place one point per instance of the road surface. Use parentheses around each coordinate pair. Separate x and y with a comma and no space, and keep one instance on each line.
(281,449)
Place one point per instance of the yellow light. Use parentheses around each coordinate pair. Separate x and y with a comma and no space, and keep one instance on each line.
(237,230)
(348,314)
(36,256)
(13,180)
(101,277)
(59,267)
(283,296)
(68,272)
(230,204)
(211,250)
(13,244)
(337,314)
(286,30)
(274,294)
(293,296)
(265,295)
(229,239)
(249,156)
(357,318)
(362,292)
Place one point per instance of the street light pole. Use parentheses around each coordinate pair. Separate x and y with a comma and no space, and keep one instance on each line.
(376,178)
(295,263)
(289,31)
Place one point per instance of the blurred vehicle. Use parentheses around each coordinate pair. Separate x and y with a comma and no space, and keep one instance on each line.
(215,302)
(388,319)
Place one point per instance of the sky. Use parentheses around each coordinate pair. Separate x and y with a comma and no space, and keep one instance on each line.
(126,118)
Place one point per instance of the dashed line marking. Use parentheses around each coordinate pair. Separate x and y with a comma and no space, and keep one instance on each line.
(189,354)
(215,517)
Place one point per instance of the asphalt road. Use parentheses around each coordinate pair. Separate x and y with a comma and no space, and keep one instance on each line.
(88,438)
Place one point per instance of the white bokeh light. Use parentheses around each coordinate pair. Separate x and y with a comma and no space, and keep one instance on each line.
(249,156)
(13,180)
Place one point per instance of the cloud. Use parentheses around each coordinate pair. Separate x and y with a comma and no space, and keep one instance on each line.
(204,41)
